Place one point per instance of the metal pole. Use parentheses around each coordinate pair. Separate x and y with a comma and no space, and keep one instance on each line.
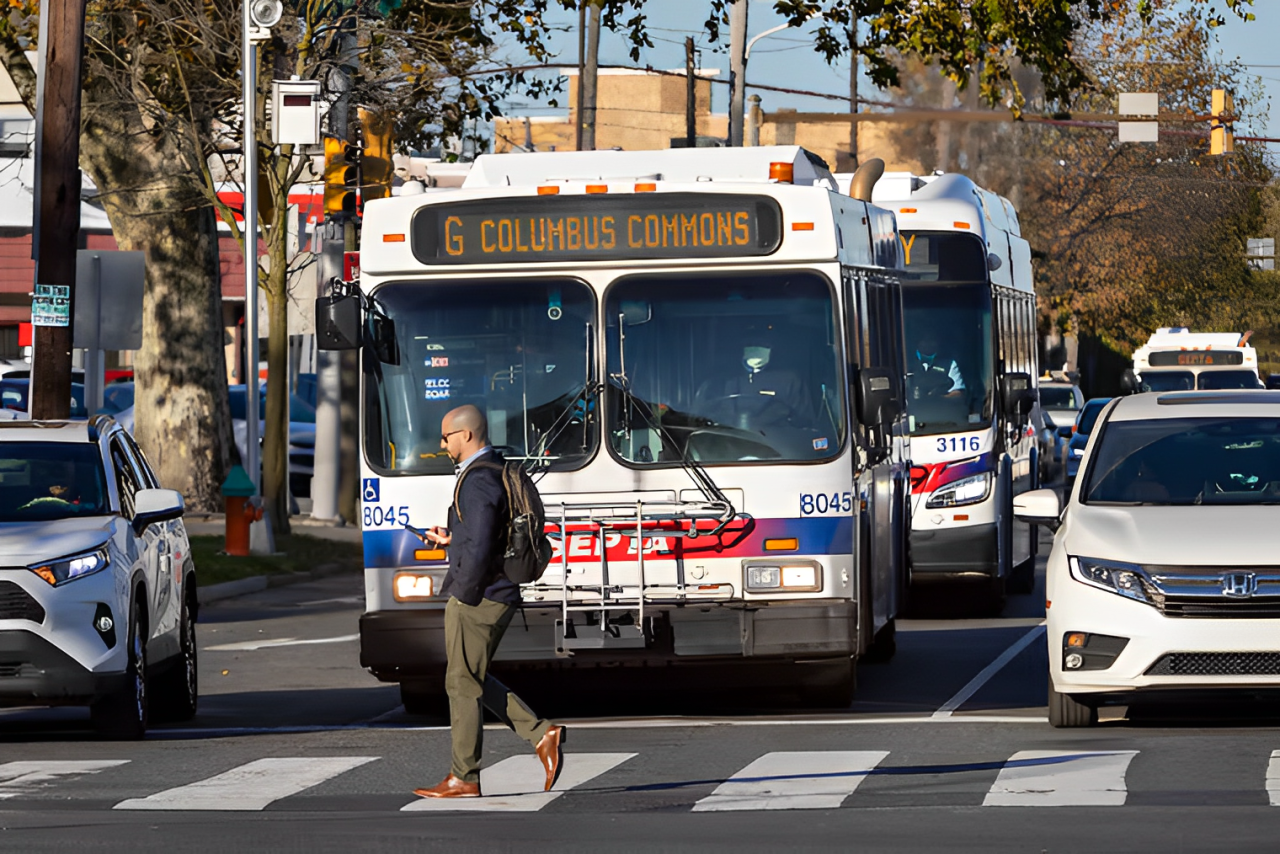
(753,120)
(690,97)
(588,83)
(737,69)
(582,55)
(853,92)
(249,178)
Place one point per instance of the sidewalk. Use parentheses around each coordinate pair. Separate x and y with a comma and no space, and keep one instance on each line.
(216,524)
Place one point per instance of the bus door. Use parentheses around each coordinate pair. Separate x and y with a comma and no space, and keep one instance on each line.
(874,329)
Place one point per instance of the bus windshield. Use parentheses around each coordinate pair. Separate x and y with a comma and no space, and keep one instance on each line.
(1167,381)
(519,350)
(724,368)
(949,346)
(1221,380)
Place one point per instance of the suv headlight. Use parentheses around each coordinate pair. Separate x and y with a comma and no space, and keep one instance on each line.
(969,490)
(1125,579)
(69,568)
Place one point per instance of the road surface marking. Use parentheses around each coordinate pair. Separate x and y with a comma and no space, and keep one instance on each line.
(1273,778)
(21,779)
(515,784)
(249,787)
(962,696)
(808,780)
(1062,778)
(342,600)
(274,642)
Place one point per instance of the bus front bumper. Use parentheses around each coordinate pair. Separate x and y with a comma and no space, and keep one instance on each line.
(409,644)
(952,553)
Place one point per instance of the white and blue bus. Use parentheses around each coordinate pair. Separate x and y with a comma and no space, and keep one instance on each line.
(971,358)
(698,355)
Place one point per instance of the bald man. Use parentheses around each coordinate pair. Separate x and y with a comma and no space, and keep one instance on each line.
(482,602)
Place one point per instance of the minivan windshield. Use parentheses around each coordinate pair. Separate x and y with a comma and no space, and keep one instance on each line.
(44,481)
(1186,461)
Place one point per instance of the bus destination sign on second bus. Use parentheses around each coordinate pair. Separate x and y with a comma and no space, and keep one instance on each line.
(1194,358)
(590,228)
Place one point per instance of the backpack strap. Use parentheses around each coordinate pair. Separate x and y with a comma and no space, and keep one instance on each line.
(457,489)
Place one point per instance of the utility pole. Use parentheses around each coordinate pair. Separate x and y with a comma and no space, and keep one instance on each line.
(737,70)
(57,205)
(853,93)
(588,82)
(582,72)
(249,178)
(690,97)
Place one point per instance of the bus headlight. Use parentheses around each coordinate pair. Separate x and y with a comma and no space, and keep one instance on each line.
(411,587)
(969,490)
(789,577)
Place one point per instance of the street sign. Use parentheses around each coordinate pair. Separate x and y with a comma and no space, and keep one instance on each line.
(51,306)
(109,287)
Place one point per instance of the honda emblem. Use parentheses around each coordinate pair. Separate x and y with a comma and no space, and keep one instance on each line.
(1239,585)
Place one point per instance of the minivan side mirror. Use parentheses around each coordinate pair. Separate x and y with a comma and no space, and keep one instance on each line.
(878,400)
(338,322)
(1016,395)
(1038,507)
(155,505)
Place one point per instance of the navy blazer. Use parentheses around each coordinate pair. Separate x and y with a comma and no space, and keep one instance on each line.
(478,521)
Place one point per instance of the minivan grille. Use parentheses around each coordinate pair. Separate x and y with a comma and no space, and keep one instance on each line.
(1258,608)
(1216,664)
(17,604)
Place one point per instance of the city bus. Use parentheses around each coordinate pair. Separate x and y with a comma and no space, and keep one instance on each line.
(1177,359)
(972,362)
(698,356)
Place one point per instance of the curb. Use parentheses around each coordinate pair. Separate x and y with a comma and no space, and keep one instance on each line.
(259,583)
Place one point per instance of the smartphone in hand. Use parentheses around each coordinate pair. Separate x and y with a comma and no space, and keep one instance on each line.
(431,537)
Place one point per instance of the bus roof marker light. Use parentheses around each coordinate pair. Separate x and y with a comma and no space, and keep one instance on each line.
(783,173)
(906,210)
(802,226)
(964,225)
(646,188)
(548,191)
(597,188)
(393,238)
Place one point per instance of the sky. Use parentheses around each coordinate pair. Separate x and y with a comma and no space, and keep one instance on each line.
(787,58)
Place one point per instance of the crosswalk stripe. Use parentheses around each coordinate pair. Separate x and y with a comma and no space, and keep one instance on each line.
(1273,778)
(18,779)
(811,780)
(251,786)
(1060,778)
(515,784)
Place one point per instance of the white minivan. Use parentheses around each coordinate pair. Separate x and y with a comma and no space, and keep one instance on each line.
(1164,580)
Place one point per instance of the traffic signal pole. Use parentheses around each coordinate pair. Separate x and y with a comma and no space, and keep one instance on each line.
(57,205)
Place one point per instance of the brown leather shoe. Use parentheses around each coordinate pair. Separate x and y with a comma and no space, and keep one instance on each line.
(450,787)
(550,750)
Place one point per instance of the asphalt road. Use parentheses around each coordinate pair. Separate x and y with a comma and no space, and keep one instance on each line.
(295,748)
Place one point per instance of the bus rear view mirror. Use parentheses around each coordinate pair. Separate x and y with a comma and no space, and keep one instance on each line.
(382,339)
(1016,395)
(338,322)
(878,401)
(1129,382)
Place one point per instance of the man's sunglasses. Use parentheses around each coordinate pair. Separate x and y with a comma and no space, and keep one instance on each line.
(444,437)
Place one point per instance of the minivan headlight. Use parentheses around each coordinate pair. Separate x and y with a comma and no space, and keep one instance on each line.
(1125,579)
(69,568)
(969,490)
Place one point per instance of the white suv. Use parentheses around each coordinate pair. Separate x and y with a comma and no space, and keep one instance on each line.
(1163,579)
(97,585)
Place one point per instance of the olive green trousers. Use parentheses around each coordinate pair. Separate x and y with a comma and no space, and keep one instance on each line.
(471,635)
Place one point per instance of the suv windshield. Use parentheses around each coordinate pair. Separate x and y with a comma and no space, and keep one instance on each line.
(518,350)
(1219,380)
(1167,381)
(949,344)
(731,368)
(43,481)
(1186,461)
(1057,397)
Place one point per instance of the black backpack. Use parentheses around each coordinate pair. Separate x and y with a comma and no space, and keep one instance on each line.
(528,549)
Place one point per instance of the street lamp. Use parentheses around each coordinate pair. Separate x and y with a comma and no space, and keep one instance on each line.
(738,69)
(747,53)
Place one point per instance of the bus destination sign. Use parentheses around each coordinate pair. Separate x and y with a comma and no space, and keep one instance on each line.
(597,228)
(1194,358)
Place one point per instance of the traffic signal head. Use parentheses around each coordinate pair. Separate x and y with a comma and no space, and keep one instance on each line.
(1221,130)
(341,176)
(377,169)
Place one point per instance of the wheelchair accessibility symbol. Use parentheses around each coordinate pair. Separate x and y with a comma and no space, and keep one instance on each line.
(369,490)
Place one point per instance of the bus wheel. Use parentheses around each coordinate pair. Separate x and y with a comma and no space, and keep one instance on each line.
(829,686)
(1066,711)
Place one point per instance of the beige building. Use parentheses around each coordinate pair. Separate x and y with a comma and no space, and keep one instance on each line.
(641,110)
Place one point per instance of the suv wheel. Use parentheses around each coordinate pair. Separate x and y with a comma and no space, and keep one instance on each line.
(123,715)
(177,692)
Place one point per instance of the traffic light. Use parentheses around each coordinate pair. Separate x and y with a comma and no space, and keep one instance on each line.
(377,170)
(1221,117)
(341,176)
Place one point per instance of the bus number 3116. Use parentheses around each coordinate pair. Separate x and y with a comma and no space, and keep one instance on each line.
(959,443)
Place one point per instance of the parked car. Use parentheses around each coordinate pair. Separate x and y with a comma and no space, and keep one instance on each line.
(97,585)
(1162,575)
(1080,431)
(15,396)
(116,397)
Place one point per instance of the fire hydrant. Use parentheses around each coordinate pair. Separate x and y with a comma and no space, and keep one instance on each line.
(243,508)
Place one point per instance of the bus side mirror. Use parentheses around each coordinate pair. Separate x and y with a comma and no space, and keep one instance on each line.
(382,339)
(1016,396)
(1129,382)
(338,322)
(878,401)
